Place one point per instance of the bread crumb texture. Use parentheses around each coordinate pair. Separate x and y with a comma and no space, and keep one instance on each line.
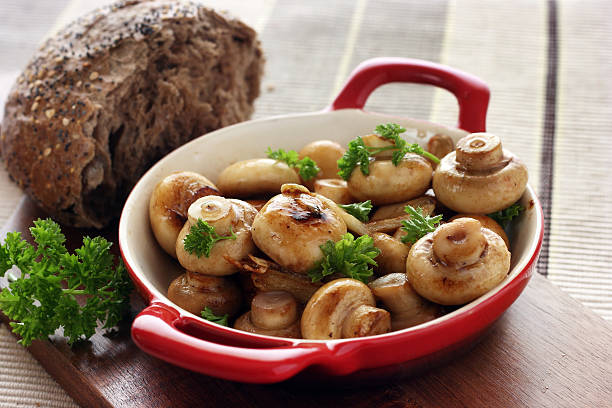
(113,92)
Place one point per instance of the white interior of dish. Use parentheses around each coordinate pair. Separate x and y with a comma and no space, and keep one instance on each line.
(211,153)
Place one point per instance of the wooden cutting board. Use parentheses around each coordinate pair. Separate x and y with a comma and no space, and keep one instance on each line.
(547,350)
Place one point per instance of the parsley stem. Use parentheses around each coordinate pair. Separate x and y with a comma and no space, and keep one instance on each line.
(375,150)
(431,157)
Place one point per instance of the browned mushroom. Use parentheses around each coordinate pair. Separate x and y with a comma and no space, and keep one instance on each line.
(193,292)
(268,276)
(227,216)
(479,177)
(272,314)
(407,307)
(169,203)
(292,226)
(343,308)
(457,263)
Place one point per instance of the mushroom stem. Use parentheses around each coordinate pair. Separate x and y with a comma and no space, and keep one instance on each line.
(479,151)
(271,314)
(273,310)
(215,210)
(365,321)
(459,242)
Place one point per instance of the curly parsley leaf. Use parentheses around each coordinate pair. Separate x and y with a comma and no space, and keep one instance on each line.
(202,237)
(418,225)
(505,216)
(208,314)
(44,297)
(307,168)
(359,154)
(349,256)
(361,211)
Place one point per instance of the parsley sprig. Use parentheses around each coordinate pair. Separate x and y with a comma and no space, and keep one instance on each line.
(349,256)
(202,237)
(418,225)
(361,211)
(208,314)
(43,298)
(307,168)
(505,216)
(358,154)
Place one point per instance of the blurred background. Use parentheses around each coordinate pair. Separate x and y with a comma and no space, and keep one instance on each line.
(548,64)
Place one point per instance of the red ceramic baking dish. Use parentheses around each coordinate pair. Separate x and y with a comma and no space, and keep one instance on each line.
(172,334)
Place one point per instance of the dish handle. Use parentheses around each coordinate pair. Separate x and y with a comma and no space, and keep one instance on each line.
(471,92)
(157,331)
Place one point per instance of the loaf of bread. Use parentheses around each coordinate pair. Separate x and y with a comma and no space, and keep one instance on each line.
(116,90)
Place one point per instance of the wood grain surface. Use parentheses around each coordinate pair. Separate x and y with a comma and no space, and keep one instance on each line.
(547,350)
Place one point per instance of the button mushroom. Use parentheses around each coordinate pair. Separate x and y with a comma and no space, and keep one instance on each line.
(479,177)
(343,308)
(169,203)
(248,178)
(393,253)
(440,145)
(407,307)
(374,140)
(326,154)
(193,292)
(487,222)
(457,263)
(334,189)
(272,314)
(387,183)
(291,227)
(227,217)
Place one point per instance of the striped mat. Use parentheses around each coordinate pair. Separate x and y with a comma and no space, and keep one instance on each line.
(547,63)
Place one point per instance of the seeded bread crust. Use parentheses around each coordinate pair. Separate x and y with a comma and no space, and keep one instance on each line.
(115,91)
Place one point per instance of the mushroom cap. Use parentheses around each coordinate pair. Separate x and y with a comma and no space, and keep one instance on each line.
(170,201)
(326,154)
(393,253)
(426,203)
(479,177)
(252,177)
(407,307)
(216,264)
(440,145)
(193,292)
(334,189)
(375,140)
(387,183)
(325,312)
(447,285)
(291,227)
